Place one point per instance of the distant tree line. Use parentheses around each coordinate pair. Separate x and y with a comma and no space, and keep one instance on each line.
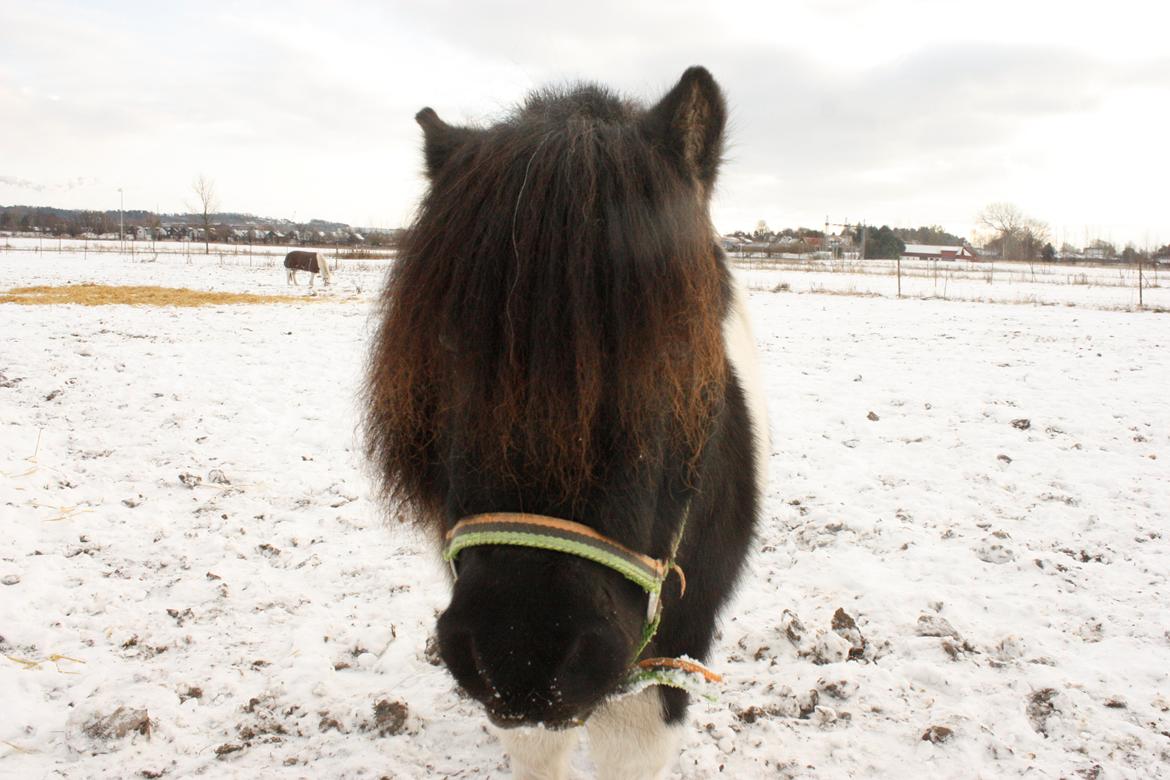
(217,227)
(1010,234)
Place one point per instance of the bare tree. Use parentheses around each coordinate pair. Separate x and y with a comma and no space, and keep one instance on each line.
(1019,235)
(208,203)
(1002,217)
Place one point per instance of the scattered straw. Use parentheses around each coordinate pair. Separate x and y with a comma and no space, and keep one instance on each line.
(31,459)
(107,294)
(55,659)
(63,512)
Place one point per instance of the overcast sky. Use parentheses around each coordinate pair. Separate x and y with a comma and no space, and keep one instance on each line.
(908,113)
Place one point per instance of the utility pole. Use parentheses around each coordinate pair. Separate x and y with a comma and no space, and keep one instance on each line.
(849,226)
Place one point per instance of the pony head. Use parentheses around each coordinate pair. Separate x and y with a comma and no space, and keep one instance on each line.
(551,343)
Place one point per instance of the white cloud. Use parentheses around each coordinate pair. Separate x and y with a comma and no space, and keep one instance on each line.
(910,112)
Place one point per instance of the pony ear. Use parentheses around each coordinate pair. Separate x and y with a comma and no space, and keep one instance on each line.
(690,122)
(440,140)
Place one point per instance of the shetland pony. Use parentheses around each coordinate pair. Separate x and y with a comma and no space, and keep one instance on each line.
(561,343)
(313,262)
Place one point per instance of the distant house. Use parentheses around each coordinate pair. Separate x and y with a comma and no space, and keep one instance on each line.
(733,243)
(939,252)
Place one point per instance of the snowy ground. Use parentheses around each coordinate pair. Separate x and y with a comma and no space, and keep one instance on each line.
(193,538)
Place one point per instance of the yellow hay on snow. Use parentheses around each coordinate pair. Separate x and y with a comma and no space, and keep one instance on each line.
(107,294)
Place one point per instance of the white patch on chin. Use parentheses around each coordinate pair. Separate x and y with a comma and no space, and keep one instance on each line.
(741,352)
(629,738)
(538,753)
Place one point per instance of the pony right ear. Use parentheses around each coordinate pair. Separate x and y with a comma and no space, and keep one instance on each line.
(440,140)
(690,120)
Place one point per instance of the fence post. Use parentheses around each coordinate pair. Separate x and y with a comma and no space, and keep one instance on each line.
(1141,281)
(899,265)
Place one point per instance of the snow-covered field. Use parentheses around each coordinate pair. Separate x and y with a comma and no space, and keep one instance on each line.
(188,536)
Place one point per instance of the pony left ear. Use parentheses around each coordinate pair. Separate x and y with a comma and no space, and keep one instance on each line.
(690,120)
(440,140)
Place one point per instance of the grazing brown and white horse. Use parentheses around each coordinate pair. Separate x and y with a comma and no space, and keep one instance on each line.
(313,262)
(563,391)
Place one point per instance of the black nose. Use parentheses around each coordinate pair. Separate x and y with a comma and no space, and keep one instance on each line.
(526,673)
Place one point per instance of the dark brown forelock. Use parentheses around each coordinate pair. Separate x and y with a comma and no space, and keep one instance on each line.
(555,307)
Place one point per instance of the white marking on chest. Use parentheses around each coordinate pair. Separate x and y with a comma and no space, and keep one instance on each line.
(741,351)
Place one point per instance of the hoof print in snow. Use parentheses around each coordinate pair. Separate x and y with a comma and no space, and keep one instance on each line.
(330,723)
(841,690)
(843,643)
(389,718)
(827,716)
(52,395)
(1008,650)
(934,625)
(994,552)
(802,706)
(1003,458)
(751,714)
(217,477)
(872,417)
(1023,423)
(792,627)
(807,704)
(845,626)
(181,617)
(431,651)
(227,749)
(190,480)
(190,692)
(1040,709)
(829,648)
(937,735)
(10,579)
(118,724)
(1092,630)
(954,650)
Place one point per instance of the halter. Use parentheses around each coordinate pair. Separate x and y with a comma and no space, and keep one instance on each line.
(518,529)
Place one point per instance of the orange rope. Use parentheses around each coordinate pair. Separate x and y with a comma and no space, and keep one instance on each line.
(686,666)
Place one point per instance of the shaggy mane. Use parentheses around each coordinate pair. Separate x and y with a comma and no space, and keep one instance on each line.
(555,310)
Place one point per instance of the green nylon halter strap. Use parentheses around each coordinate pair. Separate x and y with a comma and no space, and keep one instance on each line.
(552,533)
(519,529)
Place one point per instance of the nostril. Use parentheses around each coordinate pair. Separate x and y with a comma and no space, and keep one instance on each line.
(593,661)
(480,667)
(459,652)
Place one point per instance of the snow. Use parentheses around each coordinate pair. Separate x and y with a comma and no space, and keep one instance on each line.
(189,531)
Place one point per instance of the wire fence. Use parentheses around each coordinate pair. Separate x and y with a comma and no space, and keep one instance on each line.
(190,252)
(1101,283)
